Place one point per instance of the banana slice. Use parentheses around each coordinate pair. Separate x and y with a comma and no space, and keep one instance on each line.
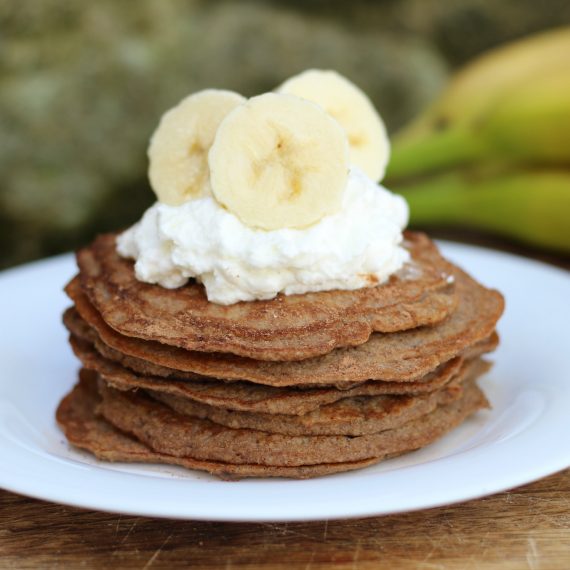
(178,151)
(279,161)
(350,106)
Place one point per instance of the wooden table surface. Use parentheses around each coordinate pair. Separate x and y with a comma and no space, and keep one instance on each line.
(525,528)
(528,527)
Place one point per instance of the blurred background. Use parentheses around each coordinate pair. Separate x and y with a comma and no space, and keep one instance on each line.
(83,84)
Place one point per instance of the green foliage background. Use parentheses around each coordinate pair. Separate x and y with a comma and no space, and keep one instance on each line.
(83,84)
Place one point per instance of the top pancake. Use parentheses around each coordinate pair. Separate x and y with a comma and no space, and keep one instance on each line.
(399,357)
(286,328)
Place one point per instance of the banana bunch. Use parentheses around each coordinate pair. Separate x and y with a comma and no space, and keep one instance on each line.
(493,152)
(278,160)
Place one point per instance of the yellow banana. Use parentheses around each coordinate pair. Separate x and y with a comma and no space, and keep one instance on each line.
(513,102)
(532,206)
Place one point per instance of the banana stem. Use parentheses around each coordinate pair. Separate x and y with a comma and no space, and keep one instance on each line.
(533,207)
(412,156)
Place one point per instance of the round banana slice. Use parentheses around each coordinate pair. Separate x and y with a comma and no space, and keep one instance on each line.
(351,107)
(279,161)
(178,151)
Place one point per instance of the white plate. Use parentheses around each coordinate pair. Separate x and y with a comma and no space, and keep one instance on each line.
(526,435)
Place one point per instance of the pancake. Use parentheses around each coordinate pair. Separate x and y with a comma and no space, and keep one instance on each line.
(81,331)
(355,415)
(397,357)
(249,397)
(96,355)
(285,328)
(171,433)
(298,386)
(86,430)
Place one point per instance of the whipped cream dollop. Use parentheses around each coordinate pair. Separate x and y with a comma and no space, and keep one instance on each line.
(357,247)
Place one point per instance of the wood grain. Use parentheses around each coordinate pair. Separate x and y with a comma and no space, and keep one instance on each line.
(525,528)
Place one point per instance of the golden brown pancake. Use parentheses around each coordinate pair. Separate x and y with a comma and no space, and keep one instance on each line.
(246,396)
(167,431)
(299,386)
(83,428)
(356,415)
(285,328)
(87,430)
(399,357)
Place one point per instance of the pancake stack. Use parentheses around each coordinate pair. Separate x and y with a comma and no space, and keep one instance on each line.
(297,386)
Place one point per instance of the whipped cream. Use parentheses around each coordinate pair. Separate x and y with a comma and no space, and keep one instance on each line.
(359,246)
